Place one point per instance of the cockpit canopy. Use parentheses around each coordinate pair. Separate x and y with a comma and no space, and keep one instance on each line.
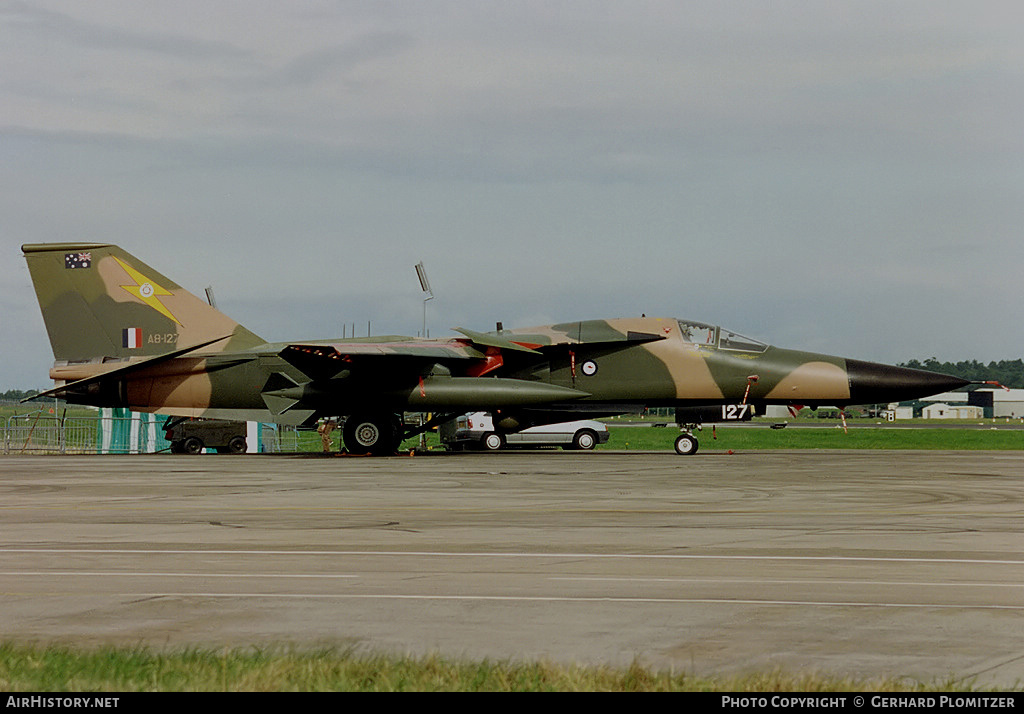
(699,333)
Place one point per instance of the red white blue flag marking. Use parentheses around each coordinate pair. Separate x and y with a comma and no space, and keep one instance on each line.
(131,337)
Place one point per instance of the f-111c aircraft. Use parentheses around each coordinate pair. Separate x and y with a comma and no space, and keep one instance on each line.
(123,335)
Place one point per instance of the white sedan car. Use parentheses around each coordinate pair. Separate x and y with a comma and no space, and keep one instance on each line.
(476,430)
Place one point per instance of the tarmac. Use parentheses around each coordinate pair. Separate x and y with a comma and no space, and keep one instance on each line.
(853,563)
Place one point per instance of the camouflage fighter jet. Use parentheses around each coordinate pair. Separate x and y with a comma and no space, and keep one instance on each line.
(124,335)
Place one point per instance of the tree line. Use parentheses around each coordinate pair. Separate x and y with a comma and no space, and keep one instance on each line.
(1009,373)
(13,395)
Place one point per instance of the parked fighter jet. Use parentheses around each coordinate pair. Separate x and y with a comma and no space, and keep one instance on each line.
(123,335)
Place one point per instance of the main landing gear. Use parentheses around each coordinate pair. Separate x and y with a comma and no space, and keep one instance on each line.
(376,434)
(381,433)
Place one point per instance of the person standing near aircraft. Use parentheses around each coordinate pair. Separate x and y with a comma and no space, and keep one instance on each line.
(324,430)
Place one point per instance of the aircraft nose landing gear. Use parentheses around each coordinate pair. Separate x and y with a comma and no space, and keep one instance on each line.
(686,444)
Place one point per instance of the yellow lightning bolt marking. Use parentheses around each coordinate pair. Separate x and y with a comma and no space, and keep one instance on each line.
(146,290)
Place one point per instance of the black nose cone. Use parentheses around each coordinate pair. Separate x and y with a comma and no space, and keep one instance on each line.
(872,383)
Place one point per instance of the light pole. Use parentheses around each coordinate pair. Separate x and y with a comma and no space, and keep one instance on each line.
(421,273)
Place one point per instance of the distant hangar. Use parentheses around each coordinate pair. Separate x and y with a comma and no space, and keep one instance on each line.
(994,403)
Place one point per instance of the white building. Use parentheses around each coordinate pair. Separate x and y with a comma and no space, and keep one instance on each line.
(1006,402)
(899,412)
(955,411)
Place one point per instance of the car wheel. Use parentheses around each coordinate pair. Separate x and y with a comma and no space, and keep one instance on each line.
(584,440)
(192,445)
(492,441)
(237,445)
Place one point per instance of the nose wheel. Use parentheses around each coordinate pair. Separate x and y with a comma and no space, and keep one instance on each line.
(686,444)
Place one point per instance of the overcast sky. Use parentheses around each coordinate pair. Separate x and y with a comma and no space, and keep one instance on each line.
(845,177)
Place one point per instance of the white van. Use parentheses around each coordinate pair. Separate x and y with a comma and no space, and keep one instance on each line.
(476,430)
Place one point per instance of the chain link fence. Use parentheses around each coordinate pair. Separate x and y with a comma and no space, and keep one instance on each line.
(111,431)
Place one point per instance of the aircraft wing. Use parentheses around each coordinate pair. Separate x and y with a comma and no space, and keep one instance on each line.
(527,345)
(389,364)
(400,375)
(326,360)
(482,339)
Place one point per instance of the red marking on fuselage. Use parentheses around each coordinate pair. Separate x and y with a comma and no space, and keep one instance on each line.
(492,361)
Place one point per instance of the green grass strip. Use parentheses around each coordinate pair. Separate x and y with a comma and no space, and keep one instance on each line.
(759,438)
(61,669)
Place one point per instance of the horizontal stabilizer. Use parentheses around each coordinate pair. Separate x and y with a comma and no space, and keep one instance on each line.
(278,393)
(121,371)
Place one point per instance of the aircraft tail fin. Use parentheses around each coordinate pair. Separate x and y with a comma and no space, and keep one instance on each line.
(98,301)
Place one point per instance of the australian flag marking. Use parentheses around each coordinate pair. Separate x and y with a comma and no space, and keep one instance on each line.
(73,261)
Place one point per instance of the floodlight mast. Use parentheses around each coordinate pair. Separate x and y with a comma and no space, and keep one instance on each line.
(421,273)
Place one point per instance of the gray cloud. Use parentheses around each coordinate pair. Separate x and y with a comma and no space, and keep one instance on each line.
(838,177)
(45,25)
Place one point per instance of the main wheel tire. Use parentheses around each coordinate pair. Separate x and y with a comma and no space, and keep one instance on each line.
(369,435)
(492,441)
(686,445)
(584,440)
(192,445)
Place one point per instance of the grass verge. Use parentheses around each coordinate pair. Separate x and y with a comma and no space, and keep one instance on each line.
(61,669)
(759,438)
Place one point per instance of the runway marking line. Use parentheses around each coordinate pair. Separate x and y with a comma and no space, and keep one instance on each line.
(581,578)
(460,554)
(114,573)
(516,598)
(760,581)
